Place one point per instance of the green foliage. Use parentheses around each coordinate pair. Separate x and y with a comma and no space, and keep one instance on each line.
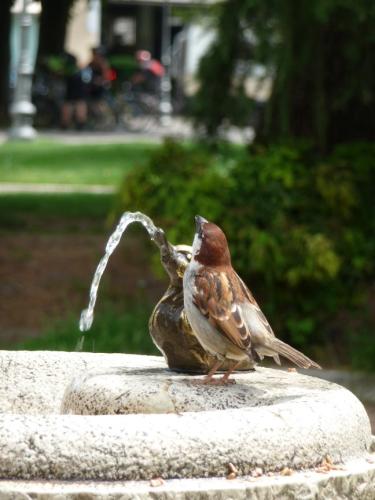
(112,331)
(178,180)
(362,352)
(299,229)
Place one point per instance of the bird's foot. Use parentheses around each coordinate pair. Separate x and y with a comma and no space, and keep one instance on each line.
(214,381)
(225,381)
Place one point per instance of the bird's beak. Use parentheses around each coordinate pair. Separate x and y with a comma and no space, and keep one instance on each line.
(198,222)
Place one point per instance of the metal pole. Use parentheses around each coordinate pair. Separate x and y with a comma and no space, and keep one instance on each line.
(166,86)
(22,109)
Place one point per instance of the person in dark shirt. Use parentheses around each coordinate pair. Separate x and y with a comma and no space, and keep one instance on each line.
(100,74)
(74,105)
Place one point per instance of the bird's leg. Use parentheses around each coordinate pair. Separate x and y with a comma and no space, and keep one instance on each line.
(224,379)
(207,379)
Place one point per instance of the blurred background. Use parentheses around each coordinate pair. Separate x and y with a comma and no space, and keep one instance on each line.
(256,114)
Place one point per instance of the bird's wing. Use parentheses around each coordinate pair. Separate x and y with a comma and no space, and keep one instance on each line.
(215,296)
(260,319)
(254,305)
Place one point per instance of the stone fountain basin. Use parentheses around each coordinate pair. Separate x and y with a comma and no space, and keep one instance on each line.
(85,416)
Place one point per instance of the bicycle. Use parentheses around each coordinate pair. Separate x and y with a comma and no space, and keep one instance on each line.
(137,111)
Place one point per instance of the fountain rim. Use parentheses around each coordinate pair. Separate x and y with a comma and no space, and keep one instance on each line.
(193,444)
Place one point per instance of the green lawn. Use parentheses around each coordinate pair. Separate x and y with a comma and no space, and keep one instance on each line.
(112,331)
(54,212)
(49,162)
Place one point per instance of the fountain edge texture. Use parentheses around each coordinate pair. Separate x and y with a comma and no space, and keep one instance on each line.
(290,433)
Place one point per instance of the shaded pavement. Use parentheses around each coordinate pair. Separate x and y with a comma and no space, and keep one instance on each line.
(175,127)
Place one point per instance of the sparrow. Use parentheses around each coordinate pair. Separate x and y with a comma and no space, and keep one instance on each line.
(222,311)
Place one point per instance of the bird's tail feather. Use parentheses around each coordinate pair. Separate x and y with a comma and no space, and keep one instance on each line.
(293,355)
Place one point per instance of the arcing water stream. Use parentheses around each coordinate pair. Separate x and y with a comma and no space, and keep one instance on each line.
(127,218)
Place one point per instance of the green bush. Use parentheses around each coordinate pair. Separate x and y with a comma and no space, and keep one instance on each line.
(300,232)
(177,183)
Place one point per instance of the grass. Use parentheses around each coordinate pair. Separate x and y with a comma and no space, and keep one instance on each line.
(112,331)
(48,162)
(47,212)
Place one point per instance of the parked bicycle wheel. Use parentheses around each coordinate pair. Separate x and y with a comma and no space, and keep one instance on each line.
(47,113)
(135,116)
(101,116)
(47,97)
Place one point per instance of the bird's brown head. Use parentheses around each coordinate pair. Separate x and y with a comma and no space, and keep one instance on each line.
(210,246)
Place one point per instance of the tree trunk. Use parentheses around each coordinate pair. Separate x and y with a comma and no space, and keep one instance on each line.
(53,23)
(324,85)
(214,101)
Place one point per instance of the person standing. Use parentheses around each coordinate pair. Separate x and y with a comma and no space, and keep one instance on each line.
(74,108)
